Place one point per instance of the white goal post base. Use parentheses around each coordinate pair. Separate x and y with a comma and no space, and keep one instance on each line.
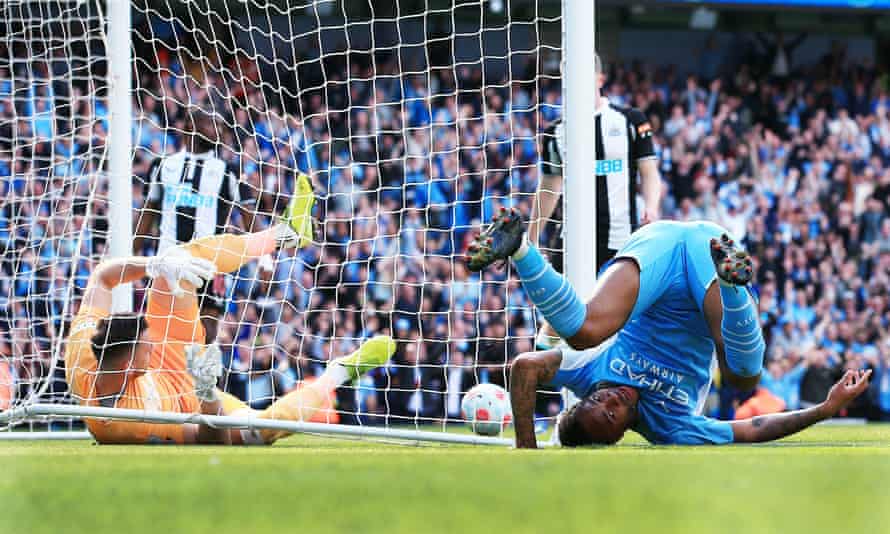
(251,423)
(59,435)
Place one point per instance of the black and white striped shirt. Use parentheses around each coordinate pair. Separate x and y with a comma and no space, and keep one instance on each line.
(196,194)
(623,139)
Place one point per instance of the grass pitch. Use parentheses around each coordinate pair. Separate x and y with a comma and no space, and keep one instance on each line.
(827,479)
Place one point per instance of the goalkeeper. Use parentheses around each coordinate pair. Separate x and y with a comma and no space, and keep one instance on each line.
(158,362)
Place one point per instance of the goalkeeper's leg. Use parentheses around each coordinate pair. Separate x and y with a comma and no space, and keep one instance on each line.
(303,403)
(229,252)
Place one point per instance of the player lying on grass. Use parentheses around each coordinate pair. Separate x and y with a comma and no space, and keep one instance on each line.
(160,362)
(676,294)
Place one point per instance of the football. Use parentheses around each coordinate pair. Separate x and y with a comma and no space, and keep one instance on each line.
(486,409)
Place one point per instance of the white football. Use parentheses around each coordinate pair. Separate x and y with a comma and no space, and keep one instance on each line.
(486,409)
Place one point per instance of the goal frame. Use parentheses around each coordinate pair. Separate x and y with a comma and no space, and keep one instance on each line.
(240,422)
(579,83)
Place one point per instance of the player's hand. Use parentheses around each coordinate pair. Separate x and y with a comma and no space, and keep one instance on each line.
(205,366)
(650,214)
(850,386)
(177,266)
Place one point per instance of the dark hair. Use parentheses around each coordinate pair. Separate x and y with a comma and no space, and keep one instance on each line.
(202,129)
(115,337)
(571,433)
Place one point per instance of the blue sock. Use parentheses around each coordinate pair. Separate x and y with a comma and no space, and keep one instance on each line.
(742,337)
(551,293)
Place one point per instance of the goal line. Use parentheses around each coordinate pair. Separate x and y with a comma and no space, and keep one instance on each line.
(239,422)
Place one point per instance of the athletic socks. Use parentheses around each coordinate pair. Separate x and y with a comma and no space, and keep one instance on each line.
(551,293)
(545,342)
(337,373)
(742,336)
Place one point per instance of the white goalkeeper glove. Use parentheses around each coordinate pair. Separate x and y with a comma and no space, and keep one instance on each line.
(205,366)
(176,265)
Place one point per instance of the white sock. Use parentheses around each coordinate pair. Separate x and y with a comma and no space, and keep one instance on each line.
(521,251)
(285,235)
(543,341)
(338,373)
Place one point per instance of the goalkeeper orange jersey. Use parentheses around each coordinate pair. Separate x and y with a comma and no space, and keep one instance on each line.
(166,386)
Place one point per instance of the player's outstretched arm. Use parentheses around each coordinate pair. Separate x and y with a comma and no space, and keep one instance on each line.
(543,205)
(526,372)
(173,269)
(550,187)
(200,434)
(779,425)
(175,266)
(205,366)
(109,274)
(650,179)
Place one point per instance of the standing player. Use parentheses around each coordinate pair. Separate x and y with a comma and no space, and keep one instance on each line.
(158,362)
(193,193)
(624,150)
(675,296)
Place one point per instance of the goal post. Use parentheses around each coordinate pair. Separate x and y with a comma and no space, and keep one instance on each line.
(243,422)
(579,87)
(417,120)
(120,181)
(579,176)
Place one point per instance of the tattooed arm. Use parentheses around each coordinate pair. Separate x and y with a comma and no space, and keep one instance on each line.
(527,371)
(779,425)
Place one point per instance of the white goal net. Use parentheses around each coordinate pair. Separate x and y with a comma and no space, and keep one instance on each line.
(416,119)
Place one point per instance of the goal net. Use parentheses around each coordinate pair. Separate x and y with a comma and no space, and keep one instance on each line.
(416,119)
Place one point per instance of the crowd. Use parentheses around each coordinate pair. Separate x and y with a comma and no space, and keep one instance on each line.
(794,161)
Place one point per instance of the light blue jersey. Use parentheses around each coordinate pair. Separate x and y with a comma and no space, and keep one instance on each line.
(665,350)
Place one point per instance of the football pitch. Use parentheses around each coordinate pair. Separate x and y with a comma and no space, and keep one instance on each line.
(827,479)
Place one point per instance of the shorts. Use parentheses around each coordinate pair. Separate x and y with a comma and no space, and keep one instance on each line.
(556,247)
(672,256)
(212,295)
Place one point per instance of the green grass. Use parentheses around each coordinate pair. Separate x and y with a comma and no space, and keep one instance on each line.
(828,479)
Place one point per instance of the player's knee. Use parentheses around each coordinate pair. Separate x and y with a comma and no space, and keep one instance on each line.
(743,383)
(592,333)
(603,321)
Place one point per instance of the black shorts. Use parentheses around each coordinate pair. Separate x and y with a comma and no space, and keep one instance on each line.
(555,249)
(212,295)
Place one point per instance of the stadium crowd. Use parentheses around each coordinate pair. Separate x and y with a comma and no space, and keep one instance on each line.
(795,162)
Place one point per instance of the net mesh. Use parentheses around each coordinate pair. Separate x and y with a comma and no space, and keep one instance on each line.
(53,227)
(416,120)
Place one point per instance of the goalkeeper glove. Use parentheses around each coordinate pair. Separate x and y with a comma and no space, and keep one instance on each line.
(176,265)
(205,366)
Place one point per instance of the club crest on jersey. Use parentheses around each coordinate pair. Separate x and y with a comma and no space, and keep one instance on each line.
(644,130)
